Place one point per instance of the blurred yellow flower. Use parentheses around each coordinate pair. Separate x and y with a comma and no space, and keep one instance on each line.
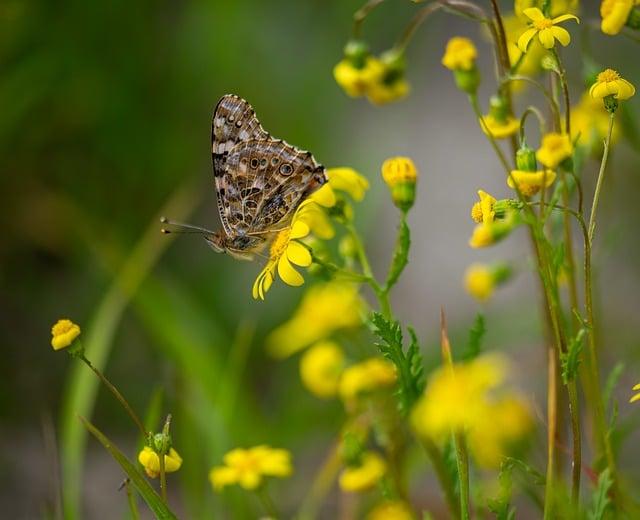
(636,397)
(610,83)
(590,123)
(63,333)
(325,308)
(382,92)
(499,129)
(479,281)
(364,476)
(460,54)
(472,398)
(615,14)
(530,183)
(391,510)
(557,7)
(151,461)
(487,234)
(545,29)
(400,175)
(321,367)
(284,252)
(484,210)
(365,377)
(349,181)
(248,467)
(554,149)
(357,81)
(529,62)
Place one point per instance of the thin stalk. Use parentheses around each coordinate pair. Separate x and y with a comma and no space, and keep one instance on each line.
(552,415)
(576,461)
(163,452)
(553,105)
(116,393)
(267,502)
(417,20)
(361,14)
(435,456)
(603,165)
(473,99)
(562,74)
(131,500)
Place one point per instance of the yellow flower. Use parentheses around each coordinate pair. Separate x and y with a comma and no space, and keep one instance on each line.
(557,7)
(365,377)
(325,309)
(284,252)
(590,124)
(381,92)
(484,210)
(400,174)
(615,14)
(555,148)
(609,83)
(489,233)
(63,333)
(391,510)
(367,474)
(637,396)
(248,467)
(321,367)
(473,398)
(545,29)
(499,129)
(460,54)
(151,461)
(357,81)
(479,281)
(349,181)
(530,183)
(529,62)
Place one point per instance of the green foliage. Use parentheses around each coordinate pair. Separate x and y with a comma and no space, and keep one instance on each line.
(148,494)
(477,333)
(501,505)
(600,500)
(408,364)
(612,381)
(400,254)
(570,360)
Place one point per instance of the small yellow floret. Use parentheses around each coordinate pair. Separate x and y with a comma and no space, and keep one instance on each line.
(363,477)
(483,210)
(610,83)
(63,333)
(546,29)
(321,367)
(530,183)
(396,170)
(460,54)
(479,281)
(555,148)
(365,377)
(499,129)
(391,510)
(615,14)
(248,467)
(357,81)
(151,461)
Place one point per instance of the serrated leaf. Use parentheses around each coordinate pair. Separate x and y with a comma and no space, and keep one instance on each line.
(408,364)
(612,381)
(600,499)
(148,494)
(570,360)
(476,337)
(400,254)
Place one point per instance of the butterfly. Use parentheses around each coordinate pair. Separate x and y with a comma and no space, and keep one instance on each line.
(260,181)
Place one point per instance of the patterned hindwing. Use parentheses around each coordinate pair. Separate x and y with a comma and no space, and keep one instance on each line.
(265,183)
(233,122)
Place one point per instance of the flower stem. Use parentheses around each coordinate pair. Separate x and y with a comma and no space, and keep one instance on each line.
(565,92)
(436,458)
(603,165)
(267,502)
(473,98)
(552,416)
(131,500)
(116,393)
(163,451)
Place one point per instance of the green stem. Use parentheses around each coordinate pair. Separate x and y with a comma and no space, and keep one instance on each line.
(603,165)
(414,24)
(163,451)
(267,502)
(443,476)
(116,393)
(565,92)
(473,99)
(131,500)
(552,416)
(553,105)
(361,14)
(462,461)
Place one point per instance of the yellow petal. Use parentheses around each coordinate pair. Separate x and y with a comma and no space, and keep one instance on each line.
(562,35)
(298,254)
(546,38)
(625,89)
(564,18)
(637,387)
(533,13)
(525,38)
(299,230)
(635,398)
(250,480)
(288,274)
(324,196)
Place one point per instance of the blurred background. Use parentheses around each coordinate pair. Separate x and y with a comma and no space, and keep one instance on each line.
(104,126)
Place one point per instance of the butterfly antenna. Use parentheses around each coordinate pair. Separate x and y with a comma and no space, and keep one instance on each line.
(183,228)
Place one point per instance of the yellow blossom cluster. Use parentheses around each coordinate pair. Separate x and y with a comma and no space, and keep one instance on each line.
(150,460)
(64,333)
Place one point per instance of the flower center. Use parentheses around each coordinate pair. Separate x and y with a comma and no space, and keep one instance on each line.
(545,23)
(608,75)
(280,244)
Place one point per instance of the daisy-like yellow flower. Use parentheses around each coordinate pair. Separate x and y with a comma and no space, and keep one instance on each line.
(610,83)
(325,309)
(460,54)
(615,14)
(365,377)
(249,467)
(321,367)
(285,252)
(63,333)
(499,129)
(484,211)
(545,28)
(554,149)
(151,461)
(365,475)
(530,183)
(636,397)
(558,7)
(356,81)
(391,510)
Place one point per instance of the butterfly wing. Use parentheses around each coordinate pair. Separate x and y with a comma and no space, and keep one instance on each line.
(265,182)
(234,121)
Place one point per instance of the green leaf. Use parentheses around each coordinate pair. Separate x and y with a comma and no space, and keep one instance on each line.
(612,381)
(400,255)
(570,360)
(148,494)
(600,499)
(476,336)
(408,364)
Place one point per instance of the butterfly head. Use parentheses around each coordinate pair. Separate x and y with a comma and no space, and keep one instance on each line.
(217,241)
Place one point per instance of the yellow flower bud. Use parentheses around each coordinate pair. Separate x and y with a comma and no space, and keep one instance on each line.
(151,461)
(400,174)
(460,57)
(480,280)
(367,474)
(63,333)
